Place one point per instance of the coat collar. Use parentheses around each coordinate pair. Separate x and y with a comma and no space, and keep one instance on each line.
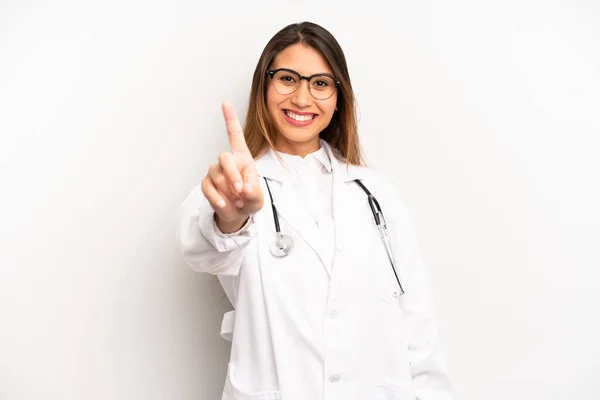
(269,166)
(347,197)
(316,160)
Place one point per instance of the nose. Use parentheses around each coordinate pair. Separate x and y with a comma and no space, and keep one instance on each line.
(302,97)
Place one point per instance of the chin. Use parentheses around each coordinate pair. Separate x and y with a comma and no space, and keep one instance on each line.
(298,136)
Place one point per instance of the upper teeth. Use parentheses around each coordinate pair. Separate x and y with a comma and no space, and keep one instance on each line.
(299,117)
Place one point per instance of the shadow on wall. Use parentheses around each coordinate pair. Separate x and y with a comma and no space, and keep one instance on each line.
(206,352)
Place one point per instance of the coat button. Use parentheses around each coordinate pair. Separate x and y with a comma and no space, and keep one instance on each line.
(334,378)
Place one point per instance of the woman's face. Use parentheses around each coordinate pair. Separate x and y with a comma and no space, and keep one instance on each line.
(299,117)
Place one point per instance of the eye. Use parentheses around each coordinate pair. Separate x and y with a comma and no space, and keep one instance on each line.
(286,78)
(322,83)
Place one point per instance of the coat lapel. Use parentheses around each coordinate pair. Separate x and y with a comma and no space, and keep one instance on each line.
(289,206)
(348,200)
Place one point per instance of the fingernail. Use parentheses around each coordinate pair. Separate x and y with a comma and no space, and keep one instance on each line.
(248,188)
(238,186)
(239,203)
(221,203)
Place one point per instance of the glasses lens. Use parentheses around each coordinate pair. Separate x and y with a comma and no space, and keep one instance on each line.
(285,82)
(322,87)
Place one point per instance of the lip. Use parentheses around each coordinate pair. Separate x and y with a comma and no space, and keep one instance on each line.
(299,123)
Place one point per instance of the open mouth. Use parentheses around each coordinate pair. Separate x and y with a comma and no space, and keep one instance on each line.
(299,119)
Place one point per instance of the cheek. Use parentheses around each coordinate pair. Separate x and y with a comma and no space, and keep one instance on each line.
(273,101)
(269,98)
(328,108)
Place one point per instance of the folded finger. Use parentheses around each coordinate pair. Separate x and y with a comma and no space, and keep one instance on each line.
(231,171)
(212,194)
(224,186)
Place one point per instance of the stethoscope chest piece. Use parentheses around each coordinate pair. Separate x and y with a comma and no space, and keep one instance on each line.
(282,245)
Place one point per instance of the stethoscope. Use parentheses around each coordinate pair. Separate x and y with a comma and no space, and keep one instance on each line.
(284,244)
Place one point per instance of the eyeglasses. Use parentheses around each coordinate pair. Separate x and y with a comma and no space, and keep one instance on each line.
(286,81)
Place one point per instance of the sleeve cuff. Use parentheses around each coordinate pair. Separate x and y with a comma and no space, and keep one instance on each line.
(224,242)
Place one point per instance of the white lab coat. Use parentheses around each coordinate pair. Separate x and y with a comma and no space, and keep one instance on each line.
(372,342)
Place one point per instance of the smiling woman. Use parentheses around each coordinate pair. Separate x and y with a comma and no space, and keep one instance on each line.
(299,108)
(302,71)
(331,316)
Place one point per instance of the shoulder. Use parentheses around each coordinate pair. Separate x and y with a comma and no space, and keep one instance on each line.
(378,183)
(385,190)
(375,180)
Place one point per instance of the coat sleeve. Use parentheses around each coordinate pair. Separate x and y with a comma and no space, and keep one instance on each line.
(203,245)
(425,354)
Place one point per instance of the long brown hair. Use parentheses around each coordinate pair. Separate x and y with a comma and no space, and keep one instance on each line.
(342,131)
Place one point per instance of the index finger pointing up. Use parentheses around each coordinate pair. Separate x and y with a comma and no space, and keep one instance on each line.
(234,129)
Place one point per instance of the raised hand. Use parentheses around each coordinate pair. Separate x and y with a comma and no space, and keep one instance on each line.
(232,186)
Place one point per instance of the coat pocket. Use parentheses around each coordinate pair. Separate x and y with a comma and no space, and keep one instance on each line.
(233,391)
(389,391)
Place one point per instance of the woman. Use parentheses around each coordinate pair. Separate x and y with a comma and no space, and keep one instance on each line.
(319,313)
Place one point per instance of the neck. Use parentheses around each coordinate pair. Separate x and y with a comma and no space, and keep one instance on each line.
(301,149)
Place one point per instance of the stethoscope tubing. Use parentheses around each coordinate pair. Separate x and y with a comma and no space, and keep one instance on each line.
(283,245)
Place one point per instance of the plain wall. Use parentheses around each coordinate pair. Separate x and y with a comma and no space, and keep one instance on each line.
(484,114)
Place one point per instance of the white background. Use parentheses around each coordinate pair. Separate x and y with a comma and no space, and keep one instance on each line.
(485,115)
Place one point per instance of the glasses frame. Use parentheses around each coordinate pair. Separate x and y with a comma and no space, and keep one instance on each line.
(271,73)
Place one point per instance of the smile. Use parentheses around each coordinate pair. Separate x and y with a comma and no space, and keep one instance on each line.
(299,119)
